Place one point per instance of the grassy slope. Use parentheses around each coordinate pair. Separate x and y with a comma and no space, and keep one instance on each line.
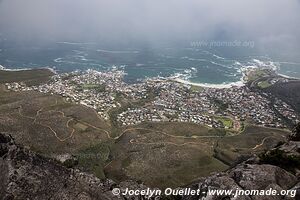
(161,160)
(253,139)
(18,112)
(30,77)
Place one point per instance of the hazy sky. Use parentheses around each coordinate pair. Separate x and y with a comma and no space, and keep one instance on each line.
(270,21)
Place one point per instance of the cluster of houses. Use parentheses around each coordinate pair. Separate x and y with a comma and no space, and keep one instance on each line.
(177,102)
(171,101)
(174,102)
(91,88)
(285,110)
(244,104)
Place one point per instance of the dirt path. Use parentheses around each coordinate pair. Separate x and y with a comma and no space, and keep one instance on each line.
(49,127)
(108,133)
(263,141)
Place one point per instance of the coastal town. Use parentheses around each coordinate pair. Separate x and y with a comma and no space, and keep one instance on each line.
(165,100)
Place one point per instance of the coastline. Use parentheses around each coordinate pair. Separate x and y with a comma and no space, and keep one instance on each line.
(179,79)
(240,83)
(2,68)
(287,76)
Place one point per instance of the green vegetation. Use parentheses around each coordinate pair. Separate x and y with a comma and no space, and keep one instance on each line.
(150,97)
(252,139)
(182,129)
(227,122)
(264,84)
(98,88)
(93,158)
(30,77)
(195,88)
(222,106)
(80,127)
(70,163)
(259,73)
(161,159)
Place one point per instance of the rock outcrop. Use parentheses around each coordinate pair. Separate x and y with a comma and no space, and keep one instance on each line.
(247,177)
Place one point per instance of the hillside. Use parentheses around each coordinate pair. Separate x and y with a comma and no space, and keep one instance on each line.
(30,77)
(288,92)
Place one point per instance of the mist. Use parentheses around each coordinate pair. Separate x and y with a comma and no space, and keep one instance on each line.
(268,22)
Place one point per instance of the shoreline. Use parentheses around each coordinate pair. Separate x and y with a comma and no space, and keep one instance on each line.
(2,68)
(287,76)
(242,82)
(210,85)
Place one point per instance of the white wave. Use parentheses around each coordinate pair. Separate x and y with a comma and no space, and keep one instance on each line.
(75,43)
(194,69)
(288,76)
(78,52)
(82,58)
(193,59)
(14,70)
(109,51)
(221,65)
(187,74)
(167,56)
(58,60)
(218,57)
(260,63)
(187,71)
(290,63)
(52,69)
(237,63)
(266,64)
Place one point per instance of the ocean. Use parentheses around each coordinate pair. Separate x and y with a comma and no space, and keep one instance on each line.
(207,66)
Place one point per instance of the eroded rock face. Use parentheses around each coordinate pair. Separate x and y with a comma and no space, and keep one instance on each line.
(248,177)
(261,176)
(25,175)
(291,148)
